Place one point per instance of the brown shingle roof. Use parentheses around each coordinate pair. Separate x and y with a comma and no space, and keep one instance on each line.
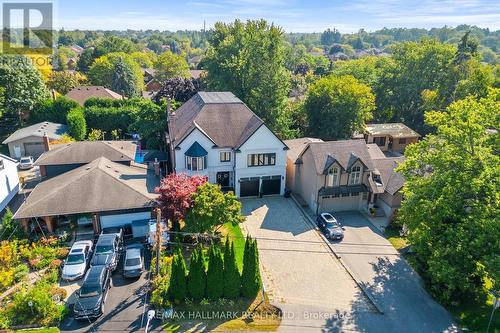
(224,118)
(392,181)
(297,146)
(82,93)
(99,186)
(396,130)
(86,151)
(344,152)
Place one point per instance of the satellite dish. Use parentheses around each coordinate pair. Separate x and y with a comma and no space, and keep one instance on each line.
(151,314)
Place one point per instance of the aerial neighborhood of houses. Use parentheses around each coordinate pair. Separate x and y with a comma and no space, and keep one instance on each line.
(244,178)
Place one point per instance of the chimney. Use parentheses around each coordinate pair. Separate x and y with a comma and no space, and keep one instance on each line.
(46,143)
(156,165)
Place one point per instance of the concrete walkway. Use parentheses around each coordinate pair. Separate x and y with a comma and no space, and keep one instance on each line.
(314,290)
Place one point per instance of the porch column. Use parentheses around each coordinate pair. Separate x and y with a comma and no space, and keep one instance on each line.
(25,223)
(96,223)
(49,223)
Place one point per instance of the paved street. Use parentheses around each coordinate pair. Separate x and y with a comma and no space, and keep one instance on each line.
(123,308)
(302,277)
(395,286)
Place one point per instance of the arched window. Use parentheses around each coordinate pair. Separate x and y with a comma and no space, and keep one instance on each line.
(333,177)
(355,177)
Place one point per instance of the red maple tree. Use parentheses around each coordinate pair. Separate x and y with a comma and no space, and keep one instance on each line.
(176,191)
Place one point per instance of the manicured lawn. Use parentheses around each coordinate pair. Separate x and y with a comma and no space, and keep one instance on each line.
(392,235)
(250,316)
(237,238)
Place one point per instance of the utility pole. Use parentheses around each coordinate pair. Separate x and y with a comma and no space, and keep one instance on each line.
(158,240)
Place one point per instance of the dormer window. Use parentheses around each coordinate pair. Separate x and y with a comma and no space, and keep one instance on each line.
(196,157)
(355,176)
(378,181)
(333,177)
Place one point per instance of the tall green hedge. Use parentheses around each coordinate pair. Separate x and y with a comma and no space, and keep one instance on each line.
(197,277)
(53,111)
(77,125)
(250,277)
(215,274)
(178,282)
(232,279)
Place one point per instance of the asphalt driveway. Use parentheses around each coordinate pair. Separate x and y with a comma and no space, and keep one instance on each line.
(124,310)
(394,285)
(315,291)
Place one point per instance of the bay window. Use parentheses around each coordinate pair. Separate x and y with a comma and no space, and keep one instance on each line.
(196,163)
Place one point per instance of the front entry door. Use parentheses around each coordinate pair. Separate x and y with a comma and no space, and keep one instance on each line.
(223,178)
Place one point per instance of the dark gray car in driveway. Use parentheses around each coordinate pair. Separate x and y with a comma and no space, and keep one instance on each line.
(107,250)
(91,296)
(330,227)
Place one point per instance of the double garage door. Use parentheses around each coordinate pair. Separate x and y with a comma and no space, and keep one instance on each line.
(338,204)
(252,187)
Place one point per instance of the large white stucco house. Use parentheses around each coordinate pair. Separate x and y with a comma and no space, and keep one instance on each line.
(9,180)
(216,135)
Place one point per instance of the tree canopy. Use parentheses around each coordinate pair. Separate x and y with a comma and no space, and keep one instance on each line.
(451,204)
(338,106)
(169,65)
(248,59)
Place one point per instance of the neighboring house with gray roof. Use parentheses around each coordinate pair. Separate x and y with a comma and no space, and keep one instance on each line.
(390,136)
(216,135)
(113,194)
(28,141)
(344,175)
(68,156)
(82,93)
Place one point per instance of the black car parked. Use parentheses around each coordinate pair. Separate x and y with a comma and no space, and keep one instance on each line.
(330,226)
(91,296)
(107,250)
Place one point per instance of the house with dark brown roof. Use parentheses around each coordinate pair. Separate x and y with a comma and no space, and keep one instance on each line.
(111,194)
(82,93)
(344,175)
(65,157)
(216,135)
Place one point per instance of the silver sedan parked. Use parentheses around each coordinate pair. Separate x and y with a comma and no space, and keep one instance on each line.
(134,261)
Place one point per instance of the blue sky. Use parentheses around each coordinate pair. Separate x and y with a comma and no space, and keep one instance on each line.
(292,15)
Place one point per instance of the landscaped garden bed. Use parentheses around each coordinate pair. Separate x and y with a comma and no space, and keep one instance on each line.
(29,272)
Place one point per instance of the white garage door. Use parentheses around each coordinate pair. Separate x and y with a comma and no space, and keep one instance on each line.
(120,220)
(340,203)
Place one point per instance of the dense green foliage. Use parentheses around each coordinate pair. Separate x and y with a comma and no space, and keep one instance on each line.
(123,80)
(250,276)
(21,86)
(9,228)
(451,204)
(53,110)
(103,72)
(215,273)
(178,280)
(232,279)
(212,208)
(248,59)
(338,106)
(169,65)
(197,277)
(77,125)
(63,82)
